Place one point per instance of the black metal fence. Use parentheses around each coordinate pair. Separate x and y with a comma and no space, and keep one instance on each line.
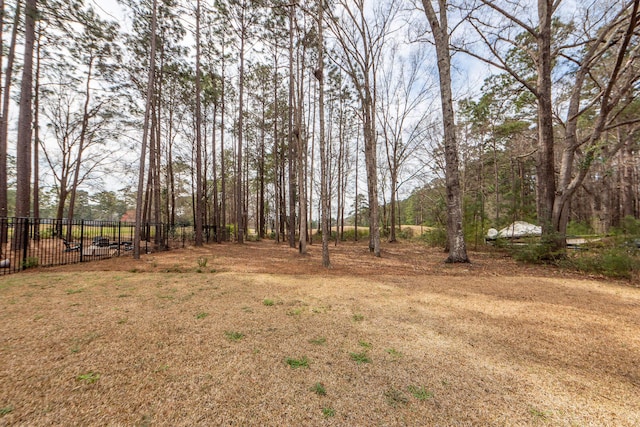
(30,242)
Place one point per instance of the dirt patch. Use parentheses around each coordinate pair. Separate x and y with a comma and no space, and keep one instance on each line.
(259,335)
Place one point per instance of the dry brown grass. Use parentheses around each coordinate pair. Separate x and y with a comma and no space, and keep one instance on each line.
(152,342)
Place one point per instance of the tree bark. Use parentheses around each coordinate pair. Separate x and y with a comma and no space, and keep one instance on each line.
(292,148)
(324,196)
(145,132)
(4,119)
(23,152)
(199,201)
(455,232)
(36,138)
(239,167)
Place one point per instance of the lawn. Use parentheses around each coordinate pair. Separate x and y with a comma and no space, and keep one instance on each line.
(259,335)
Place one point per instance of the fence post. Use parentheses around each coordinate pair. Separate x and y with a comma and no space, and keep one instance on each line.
(81,239)
(25,243)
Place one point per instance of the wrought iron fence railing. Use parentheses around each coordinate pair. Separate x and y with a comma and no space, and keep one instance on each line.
(31,242)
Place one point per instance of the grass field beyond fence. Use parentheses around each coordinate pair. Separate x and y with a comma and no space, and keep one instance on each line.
(30,242)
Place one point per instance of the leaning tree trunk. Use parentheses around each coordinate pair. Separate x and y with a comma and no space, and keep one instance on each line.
(81,145)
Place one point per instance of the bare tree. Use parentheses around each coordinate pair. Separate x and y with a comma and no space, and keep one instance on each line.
(438,22)
(403,116)
(361,37)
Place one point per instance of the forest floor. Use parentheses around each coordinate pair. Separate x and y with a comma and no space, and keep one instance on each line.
(256,334)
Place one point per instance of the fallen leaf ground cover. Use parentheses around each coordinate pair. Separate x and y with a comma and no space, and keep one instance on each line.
(259,335)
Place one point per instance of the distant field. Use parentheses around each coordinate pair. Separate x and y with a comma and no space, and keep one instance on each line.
(256,334)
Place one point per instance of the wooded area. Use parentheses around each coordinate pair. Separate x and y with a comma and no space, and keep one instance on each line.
(273,115)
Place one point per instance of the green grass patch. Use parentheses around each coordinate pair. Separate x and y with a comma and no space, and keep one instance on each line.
(357,317)
(318,388)
(360,358)
(419,393)
(74,291)
(328,412)
(233,336)
(540,415)
(201,315)
(298,363)
(89,377)
(268,302)
(364,344)
(6,410)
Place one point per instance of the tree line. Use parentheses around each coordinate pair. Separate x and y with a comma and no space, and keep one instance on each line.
(283,116)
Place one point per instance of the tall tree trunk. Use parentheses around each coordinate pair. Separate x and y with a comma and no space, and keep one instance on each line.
(356,207)
(157,155)
(199,201)
(370,159)
(239,186)
(301,146)
(292,147)
(324,194)
(455,232)
(628,184)
(3,142)
(36,137)
(25,116)
(260,220)
(223,169)
(392,205)
(4,118)
(340,171)
(171,181)
(312,125)
(301,149)
(145,132)
(276,163)
(216,207)
(170,202)
(546,162)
